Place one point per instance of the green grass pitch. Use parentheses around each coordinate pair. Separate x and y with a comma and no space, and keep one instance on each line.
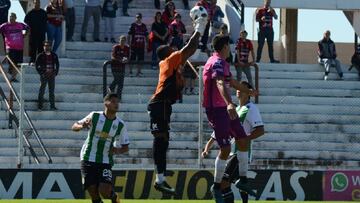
(150,201)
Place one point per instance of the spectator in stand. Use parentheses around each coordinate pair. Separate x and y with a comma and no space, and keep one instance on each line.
(137,36)
(36,19)
(14,41)
(224,31)
(177,31)
(119,58)
(125,7)
(4,10)
(243,49)
(189,76)
(186,3)
(47,65)
(70,20)
(355,60)
(216,22)
(109,15)
(160,34)
(55,15)
(210,8)
(92,8)
(169,13)
(327,55)
(265,17)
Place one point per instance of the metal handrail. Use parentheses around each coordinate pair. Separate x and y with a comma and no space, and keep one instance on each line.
(14,94)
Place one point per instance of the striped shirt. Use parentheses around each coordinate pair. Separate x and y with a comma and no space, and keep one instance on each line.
(103,135)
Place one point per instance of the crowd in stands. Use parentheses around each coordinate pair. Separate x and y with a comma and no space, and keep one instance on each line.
(167,28)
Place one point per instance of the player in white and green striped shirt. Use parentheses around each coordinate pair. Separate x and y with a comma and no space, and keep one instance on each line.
(107,135)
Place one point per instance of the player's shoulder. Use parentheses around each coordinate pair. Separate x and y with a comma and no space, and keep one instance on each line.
(98,113)
(252,107)
(120,121)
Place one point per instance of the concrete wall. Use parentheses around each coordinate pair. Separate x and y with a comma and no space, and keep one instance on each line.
(307,52)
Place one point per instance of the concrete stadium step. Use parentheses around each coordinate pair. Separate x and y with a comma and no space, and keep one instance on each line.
(304,137)
(143,4)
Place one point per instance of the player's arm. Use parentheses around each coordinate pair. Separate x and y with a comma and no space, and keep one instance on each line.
(120,150)
(208,147)
(190,48)
(231,109)
(84,123)
(274,13)
(257,132)
(257,125)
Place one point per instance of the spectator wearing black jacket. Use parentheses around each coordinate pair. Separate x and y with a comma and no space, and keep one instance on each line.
(4,10)
(36,19)
(355,60)
(47,65)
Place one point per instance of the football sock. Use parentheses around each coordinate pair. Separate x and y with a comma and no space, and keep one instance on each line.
(228,195)
(244,197)
(113,197)
(160,146)
(243,163)
(219,169)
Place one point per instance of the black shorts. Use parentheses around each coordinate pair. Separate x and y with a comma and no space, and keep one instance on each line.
(137,54)
(16,56)
(95,173)
(159,117)
(232,169)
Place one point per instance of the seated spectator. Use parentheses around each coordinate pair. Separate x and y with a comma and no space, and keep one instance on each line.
(169,13)
(14,42)
(355,60)
(243,48)
(327,55)
(109,15)
(160,35)
(55,14)
(36,19)
(47,65)
(120,57)
(177,31)
(137,36)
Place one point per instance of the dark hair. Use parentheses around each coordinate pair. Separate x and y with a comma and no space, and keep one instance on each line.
(163,51)
(47,42)
(157,13)
(220,41)
(223,26)
(247,85)
(109,96)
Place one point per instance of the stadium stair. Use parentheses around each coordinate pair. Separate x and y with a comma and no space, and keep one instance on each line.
(309,123)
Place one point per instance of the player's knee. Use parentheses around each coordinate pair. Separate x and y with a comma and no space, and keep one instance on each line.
(105,192)
(93,192)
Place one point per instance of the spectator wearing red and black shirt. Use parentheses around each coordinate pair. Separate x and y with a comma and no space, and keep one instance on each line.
(119,57)
(47,65)
(243,49)
(169,13)
(55,13)
(210,8)
(137,37)
(177,31)
(265,17)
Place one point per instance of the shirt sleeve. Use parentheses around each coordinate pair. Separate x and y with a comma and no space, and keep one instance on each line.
(251,47)
(131,29)
(88,117)
(217,69)
(254,117)
(123,138)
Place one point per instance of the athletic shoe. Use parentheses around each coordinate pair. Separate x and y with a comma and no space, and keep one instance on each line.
(244,187)
(217,194)
(325,77)
(274,61)
(164,187)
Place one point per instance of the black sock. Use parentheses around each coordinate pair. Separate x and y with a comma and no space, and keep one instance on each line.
(113,197)
(228,195)
(244,197)
(217,186)
(97,201)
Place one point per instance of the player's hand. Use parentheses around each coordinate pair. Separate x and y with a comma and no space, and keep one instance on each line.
(86,124)
(232,111)
(204,154)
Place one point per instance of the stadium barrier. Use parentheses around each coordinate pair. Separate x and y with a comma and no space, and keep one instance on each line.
(190,184)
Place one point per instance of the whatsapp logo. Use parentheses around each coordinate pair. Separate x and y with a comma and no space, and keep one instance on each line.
(339,182)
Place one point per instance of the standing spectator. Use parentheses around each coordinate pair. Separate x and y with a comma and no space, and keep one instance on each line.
(185,2)
(265,17)
(224,31)
(125,7)
(119,56)
(243,48)
(55,15)
(47,65)
(137,36)
(216,22)
(190,77)
(36,19)
(177,31)
(160,35)
(355,60)
(14,41)
(169,13)
(70,19)
(109,15)
(327,55)
(210,8)
(4,10)
(92,8)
